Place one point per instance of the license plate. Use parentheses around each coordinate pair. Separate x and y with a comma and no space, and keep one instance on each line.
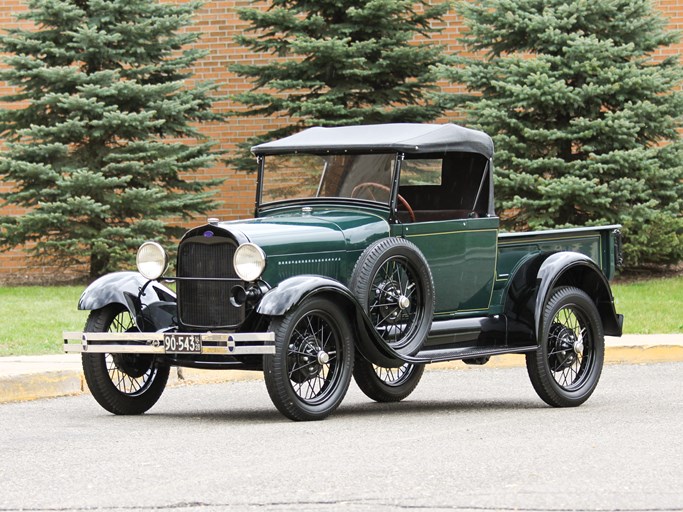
(182,344)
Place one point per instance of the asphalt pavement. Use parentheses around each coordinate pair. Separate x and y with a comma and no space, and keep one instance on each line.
(476,440)
(35,377)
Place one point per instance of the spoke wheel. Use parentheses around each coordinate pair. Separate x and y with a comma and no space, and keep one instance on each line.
(309,374)
(394,302)
(121,383)
(392,281)
(567,365)
(386,384)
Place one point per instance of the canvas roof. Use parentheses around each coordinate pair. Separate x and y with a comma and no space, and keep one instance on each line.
(382,138)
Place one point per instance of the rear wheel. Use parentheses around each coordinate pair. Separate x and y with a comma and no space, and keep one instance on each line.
(567,365)
(386,384)
(122,383)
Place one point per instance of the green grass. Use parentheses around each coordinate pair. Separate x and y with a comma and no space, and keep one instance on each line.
(32,318)
(653,306)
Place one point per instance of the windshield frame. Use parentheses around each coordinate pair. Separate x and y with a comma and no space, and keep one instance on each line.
(388,208)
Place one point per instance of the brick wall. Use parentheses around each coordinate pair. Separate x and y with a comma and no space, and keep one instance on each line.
(218,25)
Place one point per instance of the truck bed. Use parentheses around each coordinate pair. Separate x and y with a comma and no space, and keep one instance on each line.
(600,243)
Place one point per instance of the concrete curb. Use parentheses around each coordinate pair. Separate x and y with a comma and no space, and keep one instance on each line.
(50,383)
(33,377)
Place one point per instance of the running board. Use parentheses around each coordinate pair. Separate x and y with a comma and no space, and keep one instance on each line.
(451,354)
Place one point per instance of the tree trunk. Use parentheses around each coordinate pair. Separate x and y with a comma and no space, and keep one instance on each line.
(98,265)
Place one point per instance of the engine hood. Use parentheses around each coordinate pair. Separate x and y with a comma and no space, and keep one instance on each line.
(308,232)
(307,241)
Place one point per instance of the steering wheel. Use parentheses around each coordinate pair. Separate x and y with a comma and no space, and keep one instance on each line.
(369,185)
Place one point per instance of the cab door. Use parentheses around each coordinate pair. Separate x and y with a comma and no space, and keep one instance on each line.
(443,206)
(462,258)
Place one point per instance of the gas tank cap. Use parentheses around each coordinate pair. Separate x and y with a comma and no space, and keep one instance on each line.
(213,220)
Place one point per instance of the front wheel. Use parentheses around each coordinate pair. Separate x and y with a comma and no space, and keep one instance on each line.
(387,384)
(122,383)
(566,368)
(309,374)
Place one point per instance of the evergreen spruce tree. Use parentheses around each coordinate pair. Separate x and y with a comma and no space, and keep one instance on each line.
(584,116)
(100,85)
(340,62)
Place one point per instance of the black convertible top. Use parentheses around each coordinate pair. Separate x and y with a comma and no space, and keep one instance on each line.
(382,138)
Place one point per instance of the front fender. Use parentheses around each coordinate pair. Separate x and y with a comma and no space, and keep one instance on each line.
(154,307)
(291,292)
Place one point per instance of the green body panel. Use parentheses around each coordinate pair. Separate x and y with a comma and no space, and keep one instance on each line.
(462,257)
(317,240)
(471,263)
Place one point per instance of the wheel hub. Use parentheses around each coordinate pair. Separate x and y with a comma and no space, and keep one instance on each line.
(393,301)
(134,365)
(564,347)
(307,359)
(323,357)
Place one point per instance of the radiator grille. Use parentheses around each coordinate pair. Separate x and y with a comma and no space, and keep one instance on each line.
(203,302)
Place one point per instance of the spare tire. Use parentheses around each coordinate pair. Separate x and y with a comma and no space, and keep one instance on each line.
(393,283)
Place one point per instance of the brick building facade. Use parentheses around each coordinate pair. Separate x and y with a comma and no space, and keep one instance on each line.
(218,24)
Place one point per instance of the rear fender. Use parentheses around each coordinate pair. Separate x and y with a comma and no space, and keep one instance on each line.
(530,287)
(291,292)
(574,269)
(153,309)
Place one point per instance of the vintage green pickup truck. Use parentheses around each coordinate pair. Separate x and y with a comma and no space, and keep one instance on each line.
(374,250)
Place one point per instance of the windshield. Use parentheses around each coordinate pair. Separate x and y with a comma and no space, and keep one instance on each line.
(301,176)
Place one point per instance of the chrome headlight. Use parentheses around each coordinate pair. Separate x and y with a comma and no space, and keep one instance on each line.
(249,262)
(151,260)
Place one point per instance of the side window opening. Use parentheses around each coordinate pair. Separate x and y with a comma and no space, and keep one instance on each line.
(446,186)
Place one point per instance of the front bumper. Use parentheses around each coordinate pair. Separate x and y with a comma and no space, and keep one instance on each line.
(234,344)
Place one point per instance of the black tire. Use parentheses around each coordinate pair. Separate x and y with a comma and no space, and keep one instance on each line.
(386,384)
(311,370)
(393,283)
(566,367)
(122,383)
